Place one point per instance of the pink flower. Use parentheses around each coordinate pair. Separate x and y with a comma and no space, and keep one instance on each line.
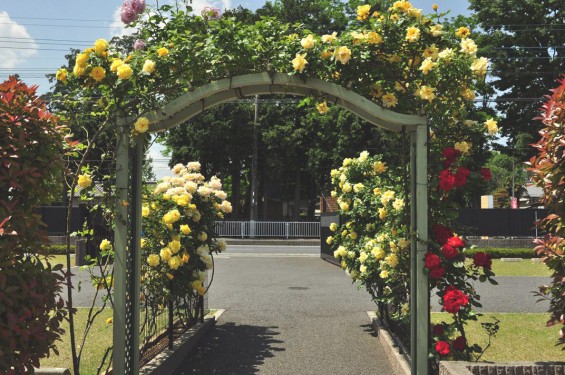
(139,45)
(138,6)
(127,13)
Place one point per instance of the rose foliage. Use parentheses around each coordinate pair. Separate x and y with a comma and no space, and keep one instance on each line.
(548,168)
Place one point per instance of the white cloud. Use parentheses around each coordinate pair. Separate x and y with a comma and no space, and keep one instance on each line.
(15,44)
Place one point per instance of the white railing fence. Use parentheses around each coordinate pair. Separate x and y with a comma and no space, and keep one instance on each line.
(281,229)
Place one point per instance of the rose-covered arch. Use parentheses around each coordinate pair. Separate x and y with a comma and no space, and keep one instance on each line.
(181,109)
(389,57)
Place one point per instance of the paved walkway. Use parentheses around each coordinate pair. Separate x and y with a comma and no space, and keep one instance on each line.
(287,315)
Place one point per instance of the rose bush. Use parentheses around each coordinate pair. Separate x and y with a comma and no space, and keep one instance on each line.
(178,234)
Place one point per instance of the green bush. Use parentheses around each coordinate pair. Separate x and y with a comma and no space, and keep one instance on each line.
(497,252)
(58,249)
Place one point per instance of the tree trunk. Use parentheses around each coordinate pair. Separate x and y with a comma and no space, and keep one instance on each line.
(235,189)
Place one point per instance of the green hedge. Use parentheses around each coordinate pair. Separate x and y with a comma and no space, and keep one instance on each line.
(497,253)
(59,249)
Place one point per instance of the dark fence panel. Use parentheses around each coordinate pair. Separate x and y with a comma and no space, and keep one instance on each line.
(56,218)
(500,221)
(326,251)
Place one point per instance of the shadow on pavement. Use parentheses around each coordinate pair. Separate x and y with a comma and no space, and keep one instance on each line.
(232,349)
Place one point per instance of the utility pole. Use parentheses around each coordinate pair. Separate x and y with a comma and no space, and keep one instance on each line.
(254,195)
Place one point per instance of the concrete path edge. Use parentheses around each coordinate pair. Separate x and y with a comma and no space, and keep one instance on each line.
(168,361)
(397,360)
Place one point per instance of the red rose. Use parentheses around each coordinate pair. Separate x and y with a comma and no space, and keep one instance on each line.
(437,330)
(456,242)
(442,348)
(453,299)
(446,180)
(441,233)
(431,261)
(449,252)
(486,174)
(437,273)
(461,176)
(449,155)
(482,260)
(459,343)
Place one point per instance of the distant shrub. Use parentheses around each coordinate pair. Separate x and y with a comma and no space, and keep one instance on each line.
(497,253)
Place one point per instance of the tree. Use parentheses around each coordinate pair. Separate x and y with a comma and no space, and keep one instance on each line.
(508,173)
(526,46)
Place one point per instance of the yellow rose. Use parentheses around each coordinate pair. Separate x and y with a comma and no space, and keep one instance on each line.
(82,59)
(462,32)
(379,167)
(98,73)
(100,46)
(174,262)
(174,246)
(333,227)
(398,204)
(378,253)
(389,100)
(427,65)
(143,242)
(62,75)
(124,71)
(145,211)
(84,181)
(431,52)
(329,240)
(299,62)
(308,42)
(436,30)
(162,52)
(171,217)
(374,38)
(342,54)
(492,126)
(148,66)
(363,12)
(329,38)
(115,64)
(322,107)
(79,70)
(426,93)
(203,236)
(326,54)
(185,229)
(384,274)
(105,245)
(344,206)
(141,125)
(165,254)
(153,260)
(382,213)
(463,147)
(468,46)
(412,34)
(479,66)
(392,260)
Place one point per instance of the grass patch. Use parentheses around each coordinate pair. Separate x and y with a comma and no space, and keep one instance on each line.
(99,338)
(524,268)
(522,337)
(59,259)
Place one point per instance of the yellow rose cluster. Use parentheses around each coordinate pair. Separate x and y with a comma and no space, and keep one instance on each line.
(178,220)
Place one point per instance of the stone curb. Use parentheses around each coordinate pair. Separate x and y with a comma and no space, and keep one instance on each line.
(52,371)
(397,360)
(168,361)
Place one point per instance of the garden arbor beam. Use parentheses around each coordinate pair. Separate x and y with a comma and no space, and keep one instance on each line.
(183,108)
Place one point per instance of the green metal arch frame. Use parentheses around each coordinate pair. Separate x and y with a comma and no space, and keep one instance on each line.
(192,103)
(128,224)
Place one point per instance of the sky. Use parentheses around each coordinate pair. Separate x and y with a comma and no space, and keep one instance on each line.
(35,35)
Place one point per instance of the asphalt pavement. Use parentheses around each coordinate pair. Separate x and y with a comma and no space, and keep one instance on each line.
(286,314)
